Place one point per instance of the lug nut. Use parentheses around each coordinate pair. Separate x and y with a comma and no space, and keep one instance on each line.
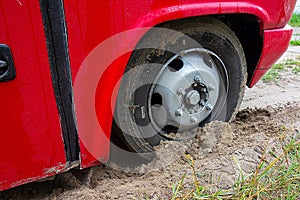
(179,112)
(194,119)
(198,79)
(209,106)
(181,91)
(202,102)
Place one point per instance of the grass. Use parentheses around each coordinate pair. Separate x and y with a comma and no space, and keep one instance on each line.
(273,179)
(296,70)
(295,42)
(290,63)
(273,75)
(295,20)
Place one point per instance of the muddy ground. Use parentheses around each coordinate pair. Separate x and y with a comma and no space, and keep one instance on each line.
(268,112)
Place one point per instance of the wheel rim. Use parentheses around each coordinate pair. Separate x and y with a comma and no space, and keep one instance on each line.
(186,91)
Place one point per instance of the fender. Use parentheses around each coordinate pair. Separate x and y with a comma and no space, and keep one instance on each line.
(89,23)
(200,9)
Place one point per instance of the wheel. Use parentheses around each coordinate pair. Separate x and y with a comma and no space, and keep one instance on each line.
(179,77)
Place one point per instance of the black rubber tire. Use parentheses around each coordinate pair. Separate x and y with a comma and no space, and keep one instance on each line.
(211,34)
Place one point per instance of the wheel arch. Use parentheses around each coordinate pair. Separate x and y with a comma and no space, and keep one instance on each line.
(247,20)
(248,29)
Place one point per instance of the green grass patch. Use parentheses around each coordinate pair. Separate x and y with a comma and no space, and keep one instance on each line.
(294,64)
(272,74)
(295,42)
(295,20)
(290,62)
(296,70)
(279,66)
(277,177)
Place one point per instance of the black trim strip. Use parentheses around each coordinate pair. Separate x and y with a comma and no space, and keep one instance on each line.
(57,44)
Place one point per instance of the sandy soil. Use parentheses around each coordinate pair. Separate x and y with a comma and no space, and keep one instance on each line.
(268,111)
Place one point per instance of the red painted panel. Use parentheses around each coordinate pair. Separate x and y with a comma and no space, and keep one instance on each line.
(90,23)
(31,144)
(275,43)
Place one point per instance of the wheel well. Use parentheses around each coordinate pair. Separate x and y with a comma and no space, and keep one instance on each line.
(247,29)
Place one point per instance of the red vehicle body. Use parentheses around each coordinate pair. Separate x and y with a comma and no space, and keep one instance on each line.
(49,42)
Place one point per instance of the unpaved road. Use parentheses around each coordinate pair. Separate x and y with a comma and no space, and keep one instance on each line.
(268,111)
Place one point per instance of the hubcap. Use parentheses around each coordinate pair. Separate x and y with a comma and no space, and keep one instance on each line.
(188,86)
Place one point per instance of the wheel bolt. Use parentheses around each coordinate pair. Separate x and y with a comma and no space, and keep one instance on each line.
(202,102)
(181,91)
(179,112)
(209,106)
(198,79)
(194,119)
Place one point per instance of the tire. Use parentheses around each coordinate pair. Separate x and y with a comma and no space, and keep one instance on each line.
(165,89)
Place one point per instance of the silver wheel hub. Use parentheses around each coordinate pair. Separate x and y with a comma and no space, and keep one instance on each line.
(188,86)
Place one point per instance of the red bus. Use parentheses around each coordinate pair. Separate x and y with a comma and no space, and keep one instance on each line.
(73,72)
